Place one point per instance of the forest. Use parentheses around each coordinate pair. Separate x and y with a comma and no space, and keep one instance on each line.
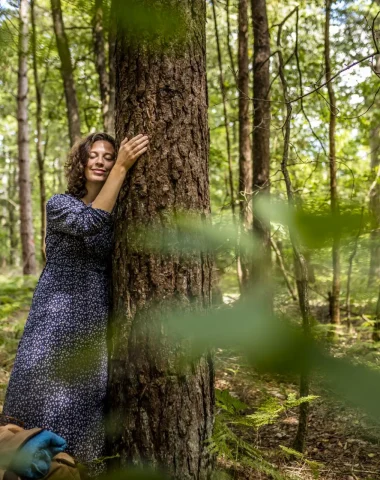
(245,313)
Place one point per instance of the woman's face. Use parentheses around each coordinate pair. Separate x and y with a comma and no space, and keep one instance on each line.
(100,161)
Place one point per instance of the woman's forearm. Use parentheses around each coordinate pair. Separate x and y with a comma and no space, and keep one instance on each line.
(107,196)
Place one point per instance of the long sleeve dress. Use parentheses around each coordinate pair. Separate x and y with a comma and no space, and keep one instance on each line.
(59,378)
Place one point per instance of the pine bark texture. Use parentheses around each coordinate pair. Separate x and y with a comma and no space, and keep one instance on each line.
(160,415)
(334,297)
(25,194)
(261,129)
(66,72)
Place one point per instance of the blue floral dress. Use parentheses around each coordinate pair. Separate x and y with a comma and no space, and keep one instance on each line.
(59,378)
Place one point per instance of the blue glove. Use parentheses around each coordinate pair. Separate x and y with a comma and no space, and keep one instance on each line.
(33,459)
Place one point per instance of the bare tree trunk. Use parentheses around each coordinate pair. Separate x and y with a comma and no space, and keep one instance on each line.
(225,114)
(161,416)
(39,149)
(334,295)
(12,213)
(230,52)
(101,63)
(25,194)
(261,132)
(245,163)
(66,72)
(349,276)
(374,206)
(299,259)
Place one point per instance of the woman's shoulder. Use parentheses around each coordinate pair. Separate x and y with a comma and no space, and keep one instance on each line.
(61,199)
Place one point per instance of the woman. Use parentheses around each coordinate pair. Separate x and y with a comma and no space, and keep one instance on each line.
(59,378)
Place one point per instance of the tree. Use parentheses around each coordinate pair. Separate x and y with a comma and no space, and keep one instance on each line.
(261,129)
(245,162)
(26,223)
(334,295)
(162,415)
(67,72)
(101,64)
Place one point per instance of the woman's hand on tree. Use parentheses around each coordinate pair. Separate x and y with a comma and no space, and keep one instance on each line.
(131,150)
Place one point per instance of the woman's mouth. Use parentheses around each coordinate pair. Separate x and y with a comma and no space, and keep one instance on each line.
(100,172)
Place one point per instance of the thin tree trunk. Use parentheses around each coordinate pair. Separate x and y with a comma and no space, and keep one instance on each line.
(245,162)
(39,149)
(111,68)
(301,267)
(66,72)
(230,52)
(12,213)
(101,63)
(281,265)
(374,207)
(225,114)
(161,416)
(376,329)
(349,276)
(335,291)
(25,195)
(261,133)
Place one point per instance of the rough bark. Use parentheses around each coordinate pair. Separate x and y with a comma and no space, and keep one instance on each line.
(25,194)
(245,163)
(160,415)
(261,131)
(66,72)
(39,148)
(101,62)
(335,290)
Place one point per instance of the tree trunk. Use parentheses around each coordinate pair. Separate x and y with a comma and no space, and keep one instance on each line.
(66,72)
(111,69)
(300,263)
(100,62)
(39,149)
(335,291)
(25,194)
(12,214)
(374,207)
(245,164)
(261,132)
(161,416)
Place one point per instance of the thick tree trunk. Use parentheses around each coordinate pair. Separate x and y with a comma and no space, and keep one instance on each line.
(245,163)
(12,213)
(66,72)
(101,63)
(261,131)
(25,194)
(161,416)
(39,149)
(335,291)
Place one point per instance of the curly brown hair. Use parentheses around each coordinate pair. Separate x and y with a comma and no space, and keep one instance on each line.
(77,161)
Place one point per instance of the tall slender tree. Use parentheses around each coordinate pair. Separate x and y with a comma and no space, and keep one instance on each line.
(67,72)
(25,194)
(39,146)
(334,295)
(261,130)
(160,415)
(245,160)
(101,63)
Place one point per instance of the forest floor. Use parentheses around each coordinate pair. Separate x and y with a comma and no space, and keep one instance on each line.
(341,442)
